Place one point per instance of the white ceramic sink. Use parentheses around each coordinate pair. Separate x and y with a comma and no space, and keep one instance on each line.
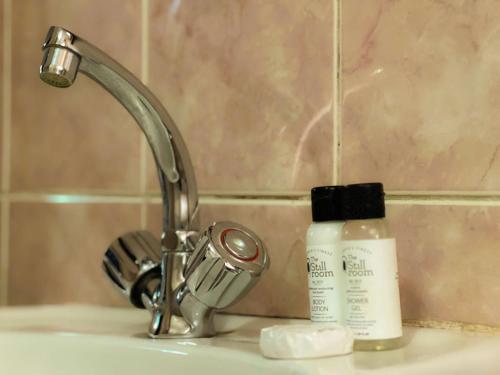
(94,340)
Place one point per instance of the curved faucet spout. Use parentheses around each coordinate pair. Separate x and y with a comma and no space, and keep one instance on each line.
(192,274)
(65,54)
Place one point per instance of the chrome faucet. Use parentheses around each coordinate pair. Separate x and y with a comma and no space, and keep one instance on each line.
(184,278)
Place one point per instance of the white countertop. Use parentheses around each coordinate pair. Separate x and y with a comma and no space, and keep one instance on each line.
(96,340)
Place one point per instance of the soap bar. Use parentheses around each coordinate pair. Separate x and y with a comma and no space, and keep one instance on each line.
(305,341)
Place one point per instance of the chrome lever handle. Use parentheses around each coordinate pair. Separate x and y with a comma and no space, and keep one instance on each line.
(227,261)
(132,262)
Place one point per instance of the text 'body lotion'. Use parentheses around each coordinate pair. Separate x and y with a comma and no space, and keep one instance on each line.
(324,263)
(373,310)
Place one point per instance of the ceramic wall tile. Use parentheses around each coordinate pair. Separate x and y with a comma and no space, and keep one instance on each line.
(250,86)
(1,85)
(448,262)
(73,138)
(282,291)
(421,84)
(56,252)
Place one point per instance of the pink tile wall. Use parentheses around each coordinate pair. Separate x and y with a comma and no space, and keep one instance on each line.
(56,251)
(1,86)
(421,81)
(72,139)
(448,262)
(251,86)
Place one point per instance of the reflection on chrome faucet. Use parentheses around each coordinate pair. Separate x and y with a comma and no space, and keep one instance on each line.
(186,276)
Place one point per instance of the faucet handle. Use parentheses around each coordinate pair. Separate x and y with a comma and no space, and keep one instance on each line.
(226,262)
(132,262)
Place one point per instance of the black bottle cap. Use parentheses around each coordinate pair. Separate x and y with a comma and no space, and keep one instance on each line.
(326,203)
(364,201)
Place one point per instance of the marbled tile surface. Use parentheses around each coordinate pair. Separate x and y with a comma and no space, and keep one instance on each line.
(448,262)
(56,252)
(74,138)
(421,86)
(250,86)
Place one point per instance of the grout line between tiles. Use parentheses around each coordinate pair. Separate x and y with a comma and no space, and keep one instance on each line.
(143,166)
(451,197)
(4,251)
(334,93)
(71,198)
(294,200)
(6,135)
(390,200)
(337,117)
(252,202)
(390,194)
(442,202)
(243,194)
(6,94)
(257,194)
(444,193)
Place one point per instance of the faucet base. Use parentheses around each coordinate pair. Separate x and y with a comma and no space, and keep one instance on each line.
(195,320)
(175,311)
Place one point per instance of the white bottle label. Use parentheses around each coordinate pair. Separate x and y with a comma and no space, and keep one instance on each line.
(373,311)
(324,269)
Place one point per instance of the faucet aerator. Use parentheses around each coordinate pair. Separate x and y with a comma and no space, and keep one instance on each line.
(59,67)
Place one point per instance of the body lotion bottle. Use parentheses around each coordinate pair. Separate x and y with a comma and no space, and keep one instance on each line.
(324,263)
(373,309)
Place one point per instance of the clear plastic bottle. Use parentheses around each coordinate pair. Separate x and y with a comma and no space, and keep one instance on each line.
(373,308)
(324,263)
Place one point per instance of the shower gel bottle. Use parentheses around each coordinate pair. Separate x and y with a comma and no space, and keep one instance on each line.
(373,310)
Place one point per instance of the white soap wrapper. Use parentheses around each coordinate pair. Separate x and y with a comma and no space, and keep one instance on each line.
(305,341)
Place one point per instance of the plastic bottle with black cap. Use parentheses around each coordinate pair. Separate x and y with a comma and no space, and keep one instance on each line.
(372,310)
(324,264)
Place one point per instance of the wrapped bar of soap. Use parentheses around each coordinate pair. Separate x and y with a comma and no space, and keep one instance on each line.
(305,341)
